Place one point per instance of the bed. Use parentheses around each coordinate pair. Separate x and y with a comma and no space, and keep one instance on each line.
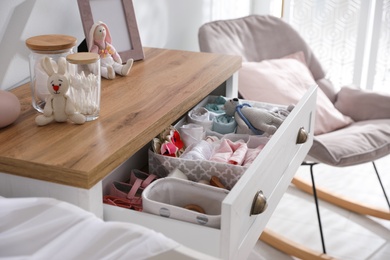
(46,228)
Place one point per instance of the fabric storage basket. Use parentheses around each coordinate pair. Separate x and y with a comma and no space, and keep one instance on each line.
(211,110)
(174,198)
(197,170)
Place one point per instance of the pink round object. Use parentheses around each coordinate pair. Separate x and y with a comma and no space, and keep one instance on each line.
(9,108)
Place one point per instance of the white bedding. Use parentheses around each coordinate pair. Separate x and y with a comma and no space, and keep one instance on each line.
(44,228)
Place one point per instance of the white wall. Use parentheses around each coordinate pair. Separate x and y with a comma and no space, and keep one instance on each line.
(162,23)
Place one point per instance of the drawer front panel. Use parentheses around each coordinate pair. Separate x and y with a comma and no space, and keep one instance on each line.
(271,173)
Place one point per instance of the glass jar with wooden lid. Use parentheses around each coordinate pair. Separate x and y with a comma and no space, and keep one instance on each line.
(53,46)
(85,83)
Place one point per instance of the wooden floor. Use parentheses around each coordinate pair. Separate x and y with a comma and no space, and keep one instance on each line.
(347,235)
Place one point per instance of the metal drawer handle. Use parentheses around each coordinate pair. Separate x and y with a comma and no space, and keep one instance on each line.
(302,136)
(259,204)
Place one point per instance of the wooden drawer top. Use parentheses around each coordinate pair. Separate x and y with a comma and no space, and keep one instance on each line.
(134,109)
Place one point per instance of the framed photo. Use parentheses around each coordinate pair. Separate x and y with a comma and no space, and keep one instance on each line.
(120,18)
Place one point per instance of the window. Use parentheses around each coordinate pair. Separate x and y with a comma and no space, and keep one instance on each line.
(351,38)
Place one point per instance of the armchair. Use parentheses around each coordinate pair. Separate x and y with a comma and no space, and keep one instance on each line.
(352,125)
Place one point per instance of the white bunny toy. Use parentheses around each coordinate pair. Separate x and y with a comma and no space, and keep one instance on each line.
(59,107)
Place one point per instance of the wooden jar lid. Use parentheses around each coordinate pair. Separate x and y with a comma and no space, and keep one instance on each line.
(82,58)
(51,42)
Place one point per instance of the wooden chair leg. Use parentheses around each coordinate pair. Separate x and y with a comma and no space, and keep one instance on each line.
(340,201)
(290,247)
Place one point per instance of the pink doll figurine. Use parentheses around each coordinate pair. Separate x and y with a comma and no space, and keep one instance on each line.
(110,61)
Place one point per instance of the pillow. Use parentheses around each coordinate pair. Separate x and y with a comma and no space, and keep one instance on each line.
(363,104)
(284,81)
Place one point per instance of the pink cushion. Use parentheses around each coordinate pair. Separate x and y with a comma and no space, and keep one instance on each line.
(284,81)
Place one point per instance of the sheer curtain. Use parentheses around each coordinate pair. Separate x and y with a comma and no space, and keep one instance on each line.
(350,37)
(382,63)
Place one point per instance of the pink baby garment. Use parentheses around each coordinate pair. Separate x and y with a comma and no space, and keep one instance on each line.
(230,152)
(251,154)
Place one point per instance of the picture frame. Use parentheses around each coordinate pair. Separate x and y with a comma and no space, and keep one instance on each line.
(121,21)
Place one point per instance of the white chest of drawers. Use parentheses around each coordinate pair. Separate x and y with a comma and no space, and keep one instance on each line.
(71,163)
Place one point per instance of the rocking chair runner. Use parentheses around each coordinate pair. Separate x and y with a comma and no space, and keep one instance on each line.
(352,126)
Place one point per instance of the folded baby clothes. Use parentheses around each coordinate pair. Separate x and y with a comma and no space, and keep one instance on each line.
(224,124)
(200,116)
(199,151)
(191,133)
(239,153)
(217,106)
(220,100)
(230,152)
(251,155)
(211,138)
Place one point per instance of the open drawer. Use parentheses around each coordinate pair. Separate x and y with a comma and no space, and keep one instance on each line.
(270,173)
